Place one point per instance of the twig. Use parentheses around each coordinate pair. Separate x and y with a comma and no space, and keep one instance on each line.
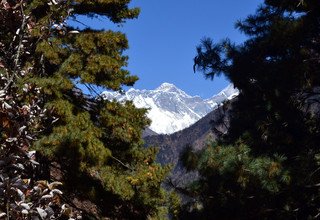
(119,161)
(75,20)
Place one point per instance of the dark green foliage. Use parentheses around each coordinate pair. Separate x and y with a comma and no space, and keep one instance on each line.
(95,144)
(189,158)
(275,118)
(230,178)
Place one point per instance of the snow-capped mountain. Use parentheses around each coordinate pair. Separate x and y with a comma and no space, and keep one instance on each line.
(171,109)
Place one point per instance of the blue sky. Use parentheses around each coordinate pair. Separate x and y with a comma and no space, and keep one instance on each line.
(163,39)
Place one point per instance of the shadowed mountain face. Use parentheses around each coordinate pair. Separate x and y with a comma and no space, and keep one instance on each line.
(197,135)
(148,132)
(170,108)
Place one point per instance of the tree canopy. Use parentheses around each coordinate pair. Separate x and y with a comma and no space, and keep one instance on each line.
(93,146)
(267,165)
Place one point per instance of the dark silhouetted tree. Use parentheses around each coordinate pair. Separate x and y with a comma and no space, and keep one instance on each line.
(267,165)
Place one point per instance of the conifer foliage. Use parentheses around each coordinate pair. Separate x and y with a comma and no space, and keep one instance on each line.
(267,165)
(94,145)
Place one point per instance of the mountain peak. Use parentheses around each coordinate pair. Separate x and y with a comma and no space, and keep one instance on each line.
(170,88)
(170,108)
(166,86)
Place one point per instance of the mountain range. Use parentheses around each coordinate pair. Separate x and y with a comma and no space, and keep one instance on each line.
(170,108)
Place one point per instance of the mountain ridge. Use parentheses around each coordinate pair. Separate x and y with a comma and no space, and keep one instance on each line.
(170,108)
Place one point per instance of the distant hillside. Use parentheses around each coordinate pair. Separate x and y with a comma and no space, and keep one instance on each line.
(196,135)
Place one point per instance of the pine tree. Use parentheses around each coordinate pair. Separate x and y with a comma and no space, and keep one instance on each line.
(267,165)
(92,145)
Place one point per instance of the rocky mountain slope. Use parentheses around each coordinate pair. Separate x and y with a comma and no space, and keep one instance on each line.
(197,136)
(170,108)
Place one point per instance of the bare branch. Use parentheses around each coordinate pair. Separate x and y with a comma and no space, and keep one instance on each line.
(20,33)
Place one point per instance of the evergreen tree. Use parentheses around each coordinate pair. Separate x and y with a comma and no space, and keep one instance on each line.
(92,145)
(267,165)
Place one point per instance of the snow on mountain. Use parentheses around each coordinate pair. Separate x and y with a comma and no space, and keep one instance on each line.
(170,108)
(227,93)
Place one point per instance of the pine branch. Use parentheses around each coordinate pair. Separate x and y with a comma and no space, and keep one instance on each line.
(124,165)
(181,190)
